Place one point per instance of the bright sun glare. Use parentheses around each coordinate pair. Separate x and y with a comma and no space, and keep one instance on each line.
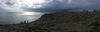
(28,13)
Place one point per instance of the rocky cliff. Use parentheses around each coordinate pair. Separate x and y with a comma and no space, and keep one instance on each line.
(59,22)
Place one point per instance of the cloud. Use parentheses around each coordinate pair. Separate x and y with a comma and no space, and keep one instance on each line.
(34,5)
(8,6)
(68,4)
(18,5)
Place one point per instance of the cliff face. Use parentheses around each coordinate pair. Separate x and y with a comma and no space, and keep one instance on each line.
(59,22)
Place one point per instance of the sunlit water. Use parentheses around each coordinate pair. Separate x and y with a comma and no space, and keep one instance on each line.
(13,18)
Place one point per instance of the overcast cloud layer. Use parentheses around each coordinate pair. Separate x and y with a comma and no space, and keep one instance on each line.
(33,5)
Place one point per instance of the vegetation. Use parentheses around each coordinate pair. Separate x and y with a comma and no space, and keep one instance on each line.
(95,26)
(86,21)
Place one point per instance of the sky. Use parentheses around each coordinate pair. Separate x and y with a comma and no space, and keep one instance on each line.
(47,5)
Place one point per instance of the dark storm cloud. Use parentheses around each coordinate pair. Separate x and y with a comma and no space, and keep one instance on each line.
(56,4)
(8,3)
(63,5)
(69,5)
(73,4)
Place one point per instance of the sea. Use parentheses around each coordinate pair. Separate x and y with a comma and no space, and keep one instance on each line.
(17,17)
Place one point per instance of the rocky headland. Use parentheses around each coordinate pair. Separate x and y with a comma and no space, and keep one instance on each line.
(59,22)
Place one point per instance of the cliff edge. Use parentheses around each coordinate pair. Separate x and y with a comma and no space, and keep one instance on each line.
(59,22)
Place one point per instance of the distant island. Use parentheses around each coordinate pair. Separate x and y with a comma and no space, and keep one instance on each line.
(86,21)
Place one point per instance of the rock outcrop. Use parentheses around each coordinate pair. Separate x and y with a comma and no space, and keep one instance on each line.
(59,22)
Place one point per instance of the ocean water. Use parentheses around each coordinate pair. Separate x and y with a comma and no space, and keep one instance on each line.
(14,18)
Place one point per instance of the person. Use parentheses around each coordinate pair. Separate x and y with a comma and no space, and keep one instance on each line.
(83,10)
(27,21)
(24,21)
(94,10)
(86,10)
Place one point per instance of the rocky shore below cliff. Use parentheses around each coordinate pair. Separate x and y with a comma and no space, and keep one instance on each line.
(59,22)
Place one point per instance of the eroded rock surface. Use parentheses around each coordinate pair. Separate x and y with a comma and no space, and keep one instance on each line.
(59,22)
